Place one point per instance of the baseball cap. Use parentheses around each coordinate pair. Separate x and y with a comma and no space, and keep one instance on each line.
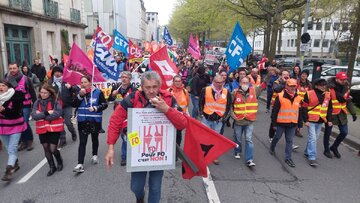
(341,76)
(320,81)
(291,82)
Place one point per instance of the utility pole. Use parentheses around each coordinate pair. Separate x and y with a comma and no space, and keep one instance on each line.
(303,47)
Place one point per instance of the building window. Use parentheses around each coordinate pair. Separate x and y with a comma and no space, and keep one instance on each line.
(336,26)
(325,43)
(152,19)
(318,25)
(288,43)
(327,26)
(75,39)
(310,25)
(148,18)
(317,43)
(50,42)
(292,43)
(310,43)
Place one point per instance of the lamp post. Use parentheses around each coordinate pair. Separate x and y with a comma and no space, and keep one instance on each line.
(303,46)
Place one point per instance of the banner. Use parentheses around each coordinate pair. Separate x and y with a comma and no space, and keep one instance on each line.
(161,63)
(151,141)
(210,59)
(193,48)
(238,48)
(78,65)
(105,61)
(104,38)
(121,43)
(167,37)
(135,53)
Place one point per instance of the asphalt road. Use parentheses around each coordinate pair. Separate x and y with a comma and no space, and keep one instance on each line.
(271,180)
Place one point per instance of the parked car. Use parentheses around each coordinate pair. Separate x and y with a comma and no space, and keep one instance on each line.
(355,94)
(331,72)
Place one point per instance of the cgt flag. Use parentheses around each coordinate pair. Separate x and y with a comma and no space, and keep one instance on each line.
(167,37)
(202,145)
(161,63)
(120,43)
(238,48)
(105,61)
(78,65)
(135,53)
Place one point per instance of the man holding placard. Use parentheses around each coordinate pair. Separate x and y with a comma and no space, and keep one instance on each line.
(150,96)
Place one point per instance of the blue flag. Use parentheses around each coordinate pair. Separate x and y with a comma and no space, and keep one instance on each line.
(238,48)
(105,61)
(167,37)
(121,43)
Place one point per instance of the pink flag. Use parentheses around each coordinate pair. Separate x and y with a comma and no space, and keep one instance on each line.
(197,41)
(78,65)
(161,63)
(193,48)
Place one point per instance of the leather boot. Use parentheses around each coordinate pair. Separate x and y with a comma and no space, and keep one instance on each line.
(1,146)
(52,168)
(140,201)
(22,146)
(59,161)
(8,173)
(30,145)
(16,167)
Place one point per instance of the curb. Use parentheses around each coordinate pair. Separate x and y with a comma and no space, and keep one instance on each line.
(349,139)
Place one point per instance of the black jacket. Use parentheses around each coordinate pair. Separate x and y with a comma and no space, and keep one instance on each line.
(66,95)
(16,111)
(39,71)
(198,83)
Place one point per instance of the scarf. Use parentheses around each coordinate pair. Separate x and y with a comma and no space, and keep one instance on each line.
(6,96)
(57,81)
(13,80)
(217,92)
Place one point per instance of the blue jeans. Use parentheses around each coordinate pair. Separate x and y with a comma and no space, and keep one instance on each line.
(138,180)
(239,130)
(123,146)
(328,129)
(289,136)
(11,143)
(314,131)
(195,103)
(215,125)
(27,135)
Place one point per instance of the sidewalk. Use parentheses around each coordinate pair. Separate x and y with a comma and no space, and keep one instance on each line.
(353,137)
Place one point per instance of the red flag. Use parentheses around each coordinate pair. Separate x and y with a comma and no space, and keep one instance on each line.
(154,47)
(162,44)
(51,58)
(65,58)
(78,65)
(161,63)
(202,145)
(135,53)
(104,38)
(147,46)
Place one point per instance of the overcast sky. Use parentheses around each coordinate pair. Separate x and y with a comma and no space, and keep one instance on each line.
(163,7)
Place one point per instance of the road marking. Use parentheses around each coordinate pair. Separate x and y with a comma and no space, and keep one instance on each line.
(32,172)
(210,188)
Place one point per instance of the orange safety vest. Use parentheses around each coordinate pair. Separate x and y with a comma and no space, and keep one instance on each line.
(301,91)
(252,81)
(218,106)
(43,126)
(289,112)
(316,111)
(274,95)
(246,109)
(337,106)
(181,98)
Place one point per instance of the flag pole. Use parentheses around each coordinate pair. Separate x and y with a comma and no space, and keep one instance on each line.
(141,64)
(92,83)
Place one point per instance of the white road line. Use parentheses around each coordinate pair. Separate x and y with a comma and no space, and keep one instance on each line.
(32,172)
(210,189)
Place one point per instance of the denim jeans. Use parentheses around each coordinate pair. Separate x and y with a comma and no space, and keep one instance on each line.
(123,146)
(314,131)
(138,180)
(27,135)
(11,143)
(343,133)
(289,136)
(239,130)
(195,103)
(215,125)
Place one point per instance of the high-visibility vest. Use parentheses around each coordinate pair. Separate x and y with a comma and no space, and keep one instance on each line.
(252,81)
(43,126)
(337,106)
(301,91)
(22,87)
(289,112)
(181,98)
(246,108)
(211,106)
(83,110)
(317,111)
(274,95)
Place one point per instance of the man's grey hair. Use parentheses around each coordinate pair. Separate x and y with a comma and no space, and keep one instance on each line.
(150,75)
(127,73)
(217,77)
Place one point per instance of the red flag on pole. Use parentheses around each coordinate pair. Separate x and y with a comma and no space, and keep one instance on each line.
(203,145)
(135,53)
(161,63)
(78,65)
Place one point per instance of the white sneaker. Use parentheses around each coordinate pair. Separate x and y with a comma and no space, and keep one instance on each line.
(270,140)
(295,147)
(250,163)
(79,168)
(73,120)
(237,156)
(94,159)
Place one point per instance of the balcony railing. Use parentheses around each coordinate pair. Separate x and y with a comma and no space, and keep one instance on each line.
(51,8)
(24,5)
(75,15)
